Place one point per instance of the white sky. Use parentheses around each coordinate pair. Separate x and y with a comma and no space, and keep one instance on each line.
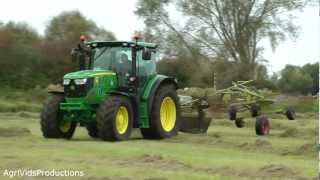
(118,17)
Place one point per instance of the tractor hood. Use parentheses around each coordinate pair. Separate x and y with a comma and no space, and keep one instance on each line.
(87,74)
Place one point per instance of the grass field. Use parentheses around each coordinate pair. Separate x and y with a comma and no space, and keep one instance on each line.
(225,152)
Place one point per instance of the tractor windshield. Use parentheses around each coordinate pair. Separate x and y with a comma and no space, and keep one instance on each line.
(117,59)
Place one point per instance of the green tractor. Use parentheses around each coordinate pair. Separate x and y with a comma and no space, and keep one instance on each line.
(116,89)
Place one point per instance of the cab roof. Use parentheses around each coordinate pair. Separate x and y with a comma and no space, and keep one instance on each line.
(121,43)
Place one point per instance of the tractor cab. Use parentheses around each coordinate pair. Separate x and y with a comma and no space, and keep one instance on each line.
(132,62)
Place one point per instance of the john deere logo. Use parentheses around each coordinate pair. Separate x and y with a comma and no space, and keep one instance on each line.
(72,87)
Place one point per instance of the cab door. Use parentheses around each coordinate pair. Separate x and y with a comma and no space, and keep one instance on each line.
(124,67)
(145,68)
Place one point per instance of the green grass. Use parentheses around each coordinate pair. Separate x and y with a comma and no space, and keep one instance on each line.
(224,153)
(17,100)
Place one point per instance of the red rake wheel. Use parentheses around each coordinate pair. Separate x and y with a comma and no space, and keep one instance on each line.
(262,125)
(265,128)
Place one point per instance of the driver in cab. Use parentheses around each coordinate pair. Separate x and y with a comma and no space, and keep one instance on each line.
(124,65)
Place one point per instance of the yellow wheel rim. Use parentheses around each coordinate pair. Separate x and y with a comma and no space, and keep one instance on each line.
(168,114)
(122,120)
(64,127)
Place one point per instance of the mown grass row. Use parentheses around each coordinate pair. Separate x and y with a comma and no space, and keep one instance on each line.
(225,152)
(13,100)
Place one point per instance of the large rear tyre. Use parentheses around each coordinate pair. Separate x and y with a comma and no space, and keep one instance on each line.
(165,114)
(115,119)
(51,119)
(262,125)
(92,129)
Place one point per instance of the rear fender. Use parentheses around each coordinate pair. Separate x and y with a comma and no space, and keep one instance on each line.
(149,93)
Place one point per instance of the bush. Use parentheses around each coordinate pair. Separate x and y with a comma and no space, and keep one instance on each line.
(188,71)
(295,80)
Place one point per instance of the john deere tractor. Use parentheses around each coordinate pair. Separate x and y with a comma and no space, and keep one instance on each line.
(116,89)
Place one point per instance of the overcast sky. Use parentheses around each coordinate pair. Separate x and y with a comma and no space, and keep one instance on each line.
(118,17)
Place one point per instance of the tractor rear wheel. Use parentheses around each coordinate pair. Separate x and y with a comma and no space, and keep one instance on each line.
(115,119)
(262,125)
(52,124)
(92,129)
(165,114)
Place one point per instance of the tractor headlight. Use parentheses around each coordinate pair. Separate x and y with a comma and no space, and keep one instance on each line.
(66,81)
(80,81)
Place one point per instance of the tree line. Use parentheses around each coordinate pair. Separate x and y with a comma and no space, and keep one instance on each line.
(28,59)
(219,43)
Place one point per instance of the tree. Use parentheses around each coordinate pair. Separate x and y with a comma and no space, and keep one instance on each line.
(313,71)
(223,29)
(62,34)
(68,26)
(161,30)
(187,71)
(294,80)
(17,33)
(28,59)
(20,57)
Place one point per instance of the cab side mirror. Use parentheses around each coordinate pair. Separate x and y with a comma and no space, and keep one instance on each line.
(146,54)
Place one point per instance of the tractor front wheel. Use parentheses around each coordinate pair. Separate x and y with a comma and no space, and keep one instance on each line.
(52,124)
(115,119)
(165,113)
